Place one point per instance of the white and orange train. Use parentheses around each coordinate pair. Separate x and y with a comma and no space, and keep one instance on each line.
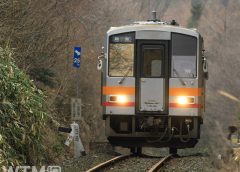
(153,85)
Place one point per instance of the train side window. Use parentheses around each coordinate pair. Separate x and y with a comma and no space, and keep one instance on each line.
(184,56)
(152,62)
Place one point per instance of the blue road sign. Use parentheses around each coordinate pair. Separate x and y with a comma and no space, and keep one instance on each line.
(77,57)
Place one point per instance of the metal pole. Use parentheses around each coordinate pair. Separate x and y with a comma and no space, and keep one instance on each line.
(78,82)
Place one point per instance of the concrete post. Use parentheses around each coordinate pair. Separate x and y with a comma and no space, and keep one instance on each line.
(78,146)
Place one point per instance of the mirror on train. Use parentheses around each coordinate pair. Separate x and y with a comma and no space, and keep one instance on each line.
(205,65)
(99,66)
(205,68)
(100,60)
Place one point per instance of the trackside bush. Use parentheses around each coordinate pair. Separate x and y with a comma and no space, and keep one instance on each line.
(22,115)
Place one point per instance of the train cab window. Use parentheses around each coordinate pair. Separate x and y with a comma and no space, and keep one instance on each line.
(184,56)
(152,61)
(121,55)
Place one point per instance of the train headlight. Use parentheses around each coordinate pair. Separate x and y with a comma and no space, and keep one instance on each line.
(121,99)
(118,99)
(183,100)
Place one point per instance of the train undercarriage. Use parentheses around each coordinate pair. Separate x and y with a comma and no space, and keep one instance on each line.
(135,132)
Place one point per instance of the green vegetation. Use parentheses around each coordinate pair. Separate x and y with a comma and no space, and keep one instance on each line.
(22,115)
(196,14)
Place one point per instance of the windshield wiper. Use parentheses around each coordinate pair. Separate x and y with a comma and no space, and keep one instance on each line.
(125,75)
(180,79)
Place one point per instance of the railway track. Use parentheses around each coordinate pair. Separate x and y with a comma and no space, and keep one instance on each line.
(109,162)
(156,167)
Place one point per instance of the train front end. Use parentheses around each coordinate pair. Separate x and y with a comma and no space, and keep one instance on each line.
(153,85)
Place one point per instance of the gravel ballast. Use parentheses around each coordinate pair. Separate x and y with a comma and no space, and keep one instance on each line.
(86,162)
(140,164)
(189,160)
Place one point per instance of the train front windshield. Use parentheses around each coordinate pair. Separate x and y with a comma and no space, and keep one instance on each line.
(183,61)
(121,55)
(184,56)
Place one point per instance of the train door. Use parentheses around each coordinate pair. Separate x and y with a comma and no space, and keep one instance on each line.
(152,77)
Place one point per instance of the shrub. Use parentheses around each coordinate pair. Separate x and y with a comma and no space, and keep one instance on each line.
(22,115)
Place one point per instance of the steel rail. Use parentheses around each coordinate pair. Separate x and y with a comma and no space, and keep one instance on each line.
(159,164)
(108,162)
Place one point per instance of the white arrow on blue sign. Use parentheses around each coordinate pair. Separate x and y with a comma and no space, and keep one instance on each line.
(77,57)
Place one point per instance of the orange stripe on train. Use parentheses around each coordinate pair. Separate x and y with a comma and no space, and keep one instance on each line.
(185,91)
(118,90)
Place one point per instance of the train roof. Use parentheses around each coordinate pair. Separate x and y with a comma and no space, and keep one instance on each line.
(152,26)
